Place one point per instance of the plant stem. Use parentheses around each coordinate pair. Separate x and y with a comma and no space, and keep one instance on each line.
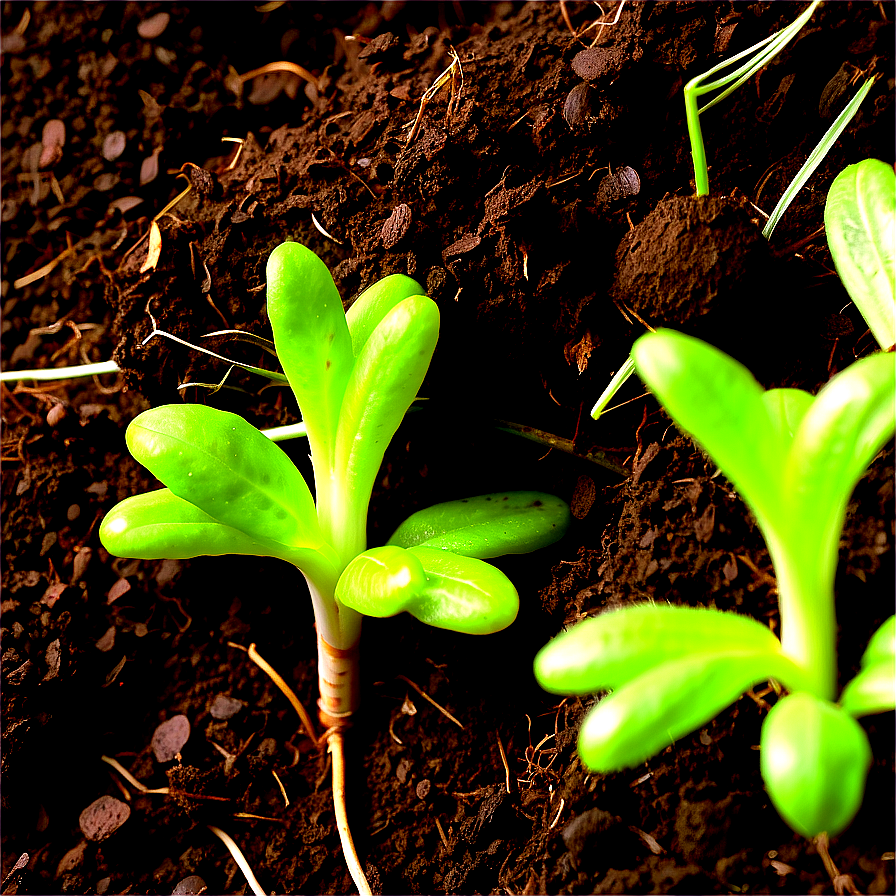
(338,680)
(60,373)
(806,604)
(337,751)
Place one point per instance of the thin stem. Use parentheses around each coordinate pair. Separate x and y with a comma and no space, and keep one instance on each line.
(60,373)
(337,751)
(615,384)
(239,858)
(760,54)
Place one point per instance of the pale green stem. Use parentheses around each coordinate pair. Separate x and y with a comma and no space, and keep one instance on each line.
(805,581)
(60,373)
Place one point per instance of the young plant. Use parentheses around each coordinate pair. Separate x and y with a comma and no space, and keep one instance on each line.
(795,459)
(860,221)
(231,490)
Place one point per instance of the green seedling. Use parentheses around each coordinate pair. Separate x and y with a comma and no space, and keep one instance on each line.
(756,57)
(795,459)
(860,220)
(231,490)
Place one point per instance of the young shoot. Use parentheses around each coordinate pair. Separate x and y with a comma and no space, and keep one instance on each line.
(231,490)
(795,459)
(756,57)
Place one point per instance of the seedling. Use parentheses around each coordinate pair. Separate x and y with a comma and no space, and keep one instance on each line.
(795,459)
(860,220)
(756,57)
(231,490)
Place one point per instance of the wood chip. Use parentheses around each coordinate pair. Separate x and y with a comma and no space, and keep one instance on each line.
(170,737)
(155,249)
(103,817)
(396,226)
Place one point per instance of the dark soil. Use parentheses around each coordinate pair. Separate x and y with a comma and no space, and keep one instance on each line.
(520,214)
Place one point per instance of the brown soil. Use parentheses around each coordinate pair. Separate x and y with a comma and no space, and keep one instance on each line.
(517,232)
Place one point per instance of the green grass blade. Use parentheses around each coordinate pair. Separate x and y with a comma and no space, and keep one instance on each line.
(615,384)
(815,159)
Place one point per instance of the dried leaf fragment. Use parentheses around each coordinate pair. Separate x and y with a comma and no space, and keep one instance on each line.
(155,248)
(103,817)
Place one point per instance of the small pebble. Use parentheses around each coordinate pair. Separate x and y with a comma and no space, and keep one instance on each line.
(56,414)
(190,886)
(103,817)
(423,789)
(224,707)
(170,737)
(52,140)
(151,28)
(73,513)
(113,145)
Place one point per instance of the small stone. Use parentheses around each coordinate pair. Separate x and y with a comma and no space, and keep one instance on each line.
(423,789)
(52,140)
(102,886)
(119,589)
(73,513)
(402,771)
(170,737)
(82,561)
(56,414)
(151,28)
(113,145)
(103,817)
(190,886)
(107,642)
(224,707)
(590,64)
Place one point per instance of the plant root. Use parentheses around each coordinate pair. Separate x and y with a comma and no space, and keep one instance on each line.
(337,752)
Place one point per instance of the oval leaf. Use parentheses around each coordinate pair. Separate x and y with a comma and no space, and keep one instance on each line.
(650,713)
(313,342)
(609,650)
(383,384)
(225,466)
(366,312)
(860,222)
(487,525)
(717,401)
(381,582)
(814,759)
(464,594)
(872,690)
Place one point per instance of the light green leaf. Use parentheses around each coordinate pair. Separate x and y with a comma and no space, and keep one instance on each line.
(850,420)
(607,651)
(438,588)
(717,401)
(384,382)
(366,312)
(664,704)
(787,407)
(487,525)
(874,688)
(860,221)
(313,342)
(464,594)
(814,759)
(226,467)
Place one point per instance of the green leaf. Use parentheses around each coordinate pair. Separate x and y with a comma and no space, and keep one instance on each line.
(384,382)
(226,467)
(665,703)
(814,759)
(850,420)
(860,221)
(717,401)
(381,582)
(366,312)
(874,688)
(439,588)
(158,525)
(610,650)
(787,407)
(487,525)
(313,342)
(464,594)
